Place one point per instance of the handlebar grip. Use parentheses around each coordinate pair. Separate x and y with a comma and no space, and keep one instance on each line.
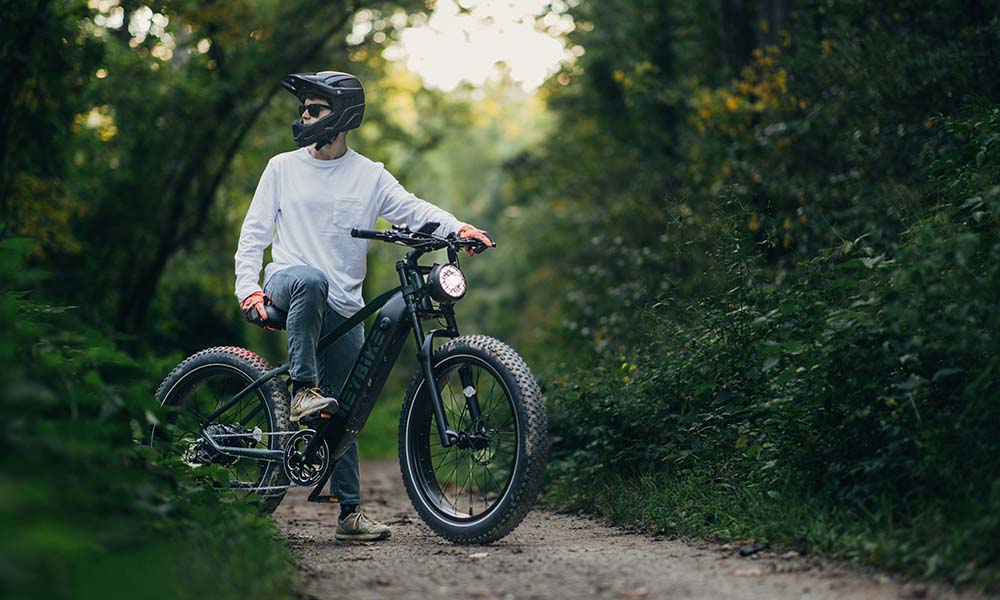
(366,234)
(477,246)
(481,247)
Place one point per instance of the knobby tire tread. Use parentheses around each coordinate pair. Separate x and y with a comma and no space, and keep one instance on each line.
(278,400)
(536,440)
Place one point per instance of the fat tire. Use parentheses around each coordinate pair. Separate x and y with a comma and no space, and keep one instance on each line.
(529,470)
(275,395)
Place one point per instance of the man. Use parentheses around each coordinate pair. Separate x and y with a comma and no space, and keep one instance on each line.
(304,207)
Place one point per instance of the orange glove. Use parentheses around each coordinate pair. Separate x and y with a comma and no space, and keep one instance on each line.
(255,301)
(468,231)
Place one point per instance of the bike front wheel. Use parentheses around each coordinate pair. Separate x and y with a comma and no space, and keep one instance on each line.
(478,493)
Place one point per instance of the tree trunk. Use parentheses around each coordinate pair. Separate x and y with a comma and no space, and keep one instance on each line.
(774,18)
(736,30)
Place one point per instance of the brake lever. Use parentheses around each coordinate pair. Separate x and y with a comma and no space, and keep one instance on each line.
(478,246)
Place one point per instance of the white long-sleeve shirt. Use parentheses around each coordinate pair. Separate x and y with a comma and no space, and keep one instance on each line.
(305,207)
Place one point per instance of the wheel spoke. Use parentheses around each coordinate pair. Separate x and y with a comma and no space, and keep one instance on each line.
(477,476)
(210,389)
(472,486)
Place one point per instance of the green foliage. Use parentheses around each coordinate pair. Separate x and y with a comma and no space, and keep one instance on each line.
(776,253)
(823,137)
(120,122)
(88,511)
(800,344)
(861,385)
(39,100)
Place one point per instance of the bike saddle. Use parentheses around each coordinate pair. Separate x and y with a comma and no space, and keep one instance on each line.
(275,316)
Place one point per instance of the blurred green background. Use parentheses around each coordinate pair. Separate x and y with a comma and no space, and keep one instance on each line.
(749,248)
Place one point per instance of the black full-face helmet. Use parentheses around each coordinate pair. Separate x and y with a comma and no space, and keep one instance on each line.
(342,91)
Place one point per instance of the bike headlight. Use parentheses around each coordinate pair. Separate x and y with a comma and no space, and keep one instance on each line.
(447,283)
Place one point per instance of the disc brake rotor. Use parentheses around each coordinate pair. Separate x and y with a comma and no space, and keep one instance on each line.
(485,455)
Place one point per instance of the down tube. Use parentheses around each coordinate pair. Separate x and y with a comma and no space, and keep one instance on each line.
(363,386)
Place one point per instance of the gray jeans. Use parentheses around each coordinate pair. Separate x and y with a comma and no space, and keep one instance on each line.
(301,292)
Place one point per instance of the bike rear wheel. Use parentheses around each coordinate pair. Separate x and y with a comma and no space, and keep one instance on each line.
(200,385)
(478,494)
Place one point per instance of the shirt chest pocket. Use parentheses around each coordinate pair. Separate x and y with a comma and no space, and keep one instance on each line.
(347,211)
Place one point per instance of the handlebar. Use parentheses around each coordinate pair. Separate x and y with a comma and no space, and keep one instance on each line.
(367,234)
(420,240)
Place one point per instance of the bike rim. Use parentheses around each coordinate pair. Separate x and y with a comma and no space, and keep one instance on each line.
(463,486)
(207,388)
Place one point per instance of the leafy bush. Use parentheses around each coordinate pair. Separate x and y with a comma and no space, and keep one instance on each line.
(859,386)
(86,510)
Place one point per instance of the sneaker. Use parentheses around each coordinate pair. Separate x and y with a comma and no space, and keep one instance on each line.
(309,401)
(357,527)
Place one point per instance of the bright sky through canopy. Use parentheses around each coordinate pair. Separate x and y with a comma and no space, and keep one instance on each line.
(455,45)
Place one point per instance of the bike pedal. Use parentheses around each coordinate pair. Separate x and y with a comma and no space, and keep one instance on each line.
(326,499)
(315,420)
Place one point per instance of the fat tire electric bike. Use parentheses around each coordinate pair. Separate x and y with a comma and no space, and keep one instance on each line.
(472,431)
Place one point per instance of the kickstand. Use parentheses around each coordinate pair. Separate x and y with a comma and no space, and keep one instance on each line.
(315,495)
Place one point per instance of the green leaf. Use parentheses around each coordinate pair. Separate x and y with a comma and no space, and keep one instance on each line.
(946,372)
(910,384)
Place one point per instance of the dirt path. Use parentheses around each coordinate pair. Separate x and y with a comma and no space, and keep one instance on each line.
(549,556)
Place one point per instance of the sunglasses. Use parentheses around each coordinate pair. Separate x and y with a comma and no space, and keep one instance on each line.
(314,109)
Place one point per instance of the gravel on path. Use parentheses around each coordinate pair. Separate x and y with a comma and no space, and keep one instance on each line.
(551,556)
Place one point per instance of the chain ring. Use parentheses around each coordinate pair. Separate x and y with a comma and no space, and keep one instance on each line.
(299,472)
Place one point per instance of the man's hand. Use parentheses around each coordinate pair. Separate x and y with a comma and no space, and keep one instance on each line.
(468,231)
(254,301)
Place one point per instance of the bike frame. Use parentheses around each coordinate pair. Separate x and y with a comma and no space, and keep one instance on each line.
(400,310)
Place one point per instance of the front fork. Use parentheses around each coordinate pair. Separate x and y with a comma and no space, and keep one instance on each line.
(425,351)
